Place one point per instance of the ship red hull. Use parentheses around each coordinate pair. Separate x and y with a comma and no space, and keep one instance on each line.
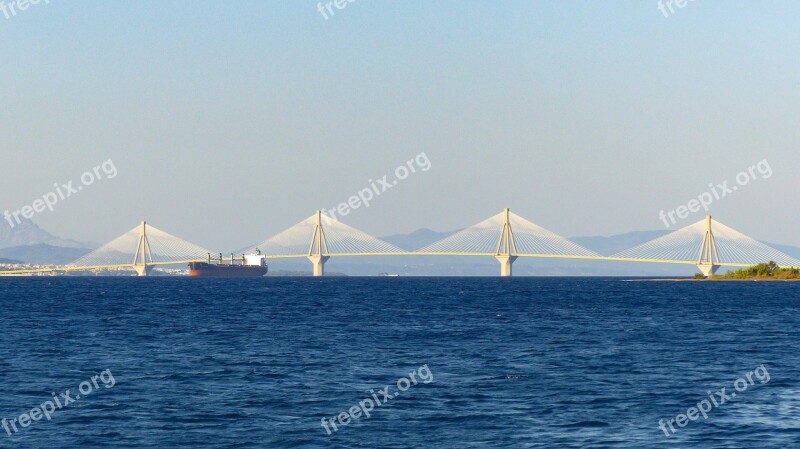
(205,270)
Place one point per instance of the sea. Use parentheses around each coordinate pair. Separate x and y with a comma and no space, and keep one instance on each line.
(395,362)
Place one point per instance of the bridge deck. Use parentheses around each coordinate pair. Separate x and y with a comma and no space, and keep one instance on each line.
(410,253)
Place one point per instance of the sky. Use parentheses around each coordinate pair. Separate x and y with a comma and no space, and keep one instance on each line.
(227,122)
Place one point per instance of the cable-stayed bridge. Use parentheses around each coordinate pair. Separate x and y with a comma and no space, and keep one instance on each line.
(506,236)
(141,249)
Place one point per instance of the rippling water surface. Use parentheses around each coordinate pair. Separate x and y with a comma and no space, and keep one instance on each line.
(521,362)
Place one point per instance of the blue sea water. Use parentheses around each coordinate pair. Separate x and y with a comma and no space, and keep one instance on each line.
(514,363)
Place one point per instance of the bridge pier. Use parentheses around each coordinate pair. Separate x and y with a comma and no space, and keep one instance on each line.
(143,248)
(318,262)
(506,246)
(708,252)
(143,270)
(505,264)
(708,270)
(319,247)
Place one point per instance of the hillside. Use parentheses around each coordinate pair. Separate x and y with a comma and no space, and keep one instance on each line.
(28,243)
(28,233)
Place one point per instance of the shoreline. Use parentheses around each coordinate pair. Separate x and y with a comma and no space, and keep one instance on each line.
(714,280)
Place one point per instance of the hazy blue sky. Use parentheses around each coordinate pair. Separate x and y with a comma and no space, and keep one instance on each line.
(229,121)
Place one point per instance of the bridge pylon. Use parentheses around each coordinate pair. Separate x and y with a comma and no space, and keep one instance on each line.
(318,249)
(708,261)
(506,252)
(143,265)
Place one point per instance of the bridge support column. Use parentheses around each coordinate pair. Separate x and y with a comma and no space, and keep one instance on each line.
(506,246)
(505,264)
(708,270)
(143,249)
(319,248)
(318,262)
(708,252)
(143,270)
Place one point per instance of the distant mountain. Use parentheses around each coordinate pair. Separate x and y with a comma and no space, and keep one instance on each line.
(486,266)
(30,244)
(790,250)
(28,233)
(417,239)
(607,246)
(10,261)
(43,254)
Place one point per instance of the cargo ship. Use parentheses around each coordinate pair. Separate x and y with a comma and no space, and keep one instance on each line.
(250,265)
